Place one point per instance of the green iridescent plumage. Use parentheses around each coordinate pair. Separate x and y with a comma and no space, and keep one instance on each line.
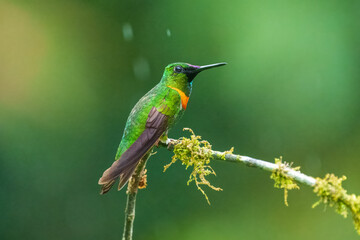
(135,125)
(150,119)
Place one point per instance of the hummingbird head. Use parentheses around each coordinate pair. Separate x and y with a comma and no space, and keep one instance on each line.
(181,75)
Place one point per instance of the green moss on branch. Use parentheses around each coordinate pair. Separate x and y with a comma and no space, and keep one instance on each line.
(282,180)
(332,194)
(196,154)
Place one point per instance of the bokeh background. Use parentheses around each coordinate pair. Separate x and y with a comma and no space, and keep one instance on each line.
(70,72)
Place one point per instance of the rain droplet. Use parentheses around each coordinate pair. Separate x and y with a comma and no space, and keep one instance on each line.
(141,68)
(127,32)
(168,32)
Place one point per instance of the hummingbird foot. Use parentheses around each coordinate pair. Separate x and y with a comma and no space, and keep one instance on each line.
(143,180)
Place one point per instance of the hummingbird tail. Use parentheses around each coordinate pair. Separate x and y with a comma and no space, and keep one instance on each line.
(106,187)
(121,169)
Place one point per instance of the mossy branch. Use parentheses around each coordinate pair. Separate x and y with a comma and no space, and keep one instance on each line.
(331,193)
(282,180)
(137,180)
(196,153)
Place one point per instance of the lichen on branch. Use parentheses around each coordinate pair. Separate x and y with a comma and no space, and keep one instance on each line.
(332,194)
(282,180)
(196,154)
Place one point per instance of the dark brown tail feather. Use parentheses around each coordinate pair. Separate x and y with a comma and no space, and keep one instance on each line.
(106,187)
(124,178)
(119,168)
(156,125)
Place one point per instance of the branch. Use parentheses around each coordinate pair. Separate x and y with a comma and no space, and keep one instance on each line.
(197,154)
(252,162)
(131,192)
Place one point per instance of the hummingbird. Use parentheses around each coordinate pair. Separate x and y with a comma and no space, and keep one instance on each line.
(150,120)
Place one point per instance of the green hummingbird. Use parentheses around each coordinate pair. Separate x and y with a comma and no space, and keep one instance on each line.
(150,119)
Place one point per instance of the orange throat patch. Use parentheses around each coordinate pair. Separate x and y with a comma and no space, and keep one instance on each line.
(184,98)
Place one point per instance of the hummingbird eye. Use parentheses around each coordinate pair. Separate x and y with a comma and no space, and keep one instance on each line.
(178,69)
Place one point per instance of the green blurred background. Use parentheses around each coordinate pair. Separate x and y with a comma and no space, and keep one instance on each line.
(70,72)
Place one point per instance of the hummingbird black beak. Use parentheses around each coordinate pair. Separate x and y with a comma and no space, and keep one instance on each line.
(194,70)
(202,68)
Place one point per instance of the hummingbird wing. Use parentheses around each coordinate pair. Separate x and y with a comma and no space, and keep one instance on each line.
(156,125)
